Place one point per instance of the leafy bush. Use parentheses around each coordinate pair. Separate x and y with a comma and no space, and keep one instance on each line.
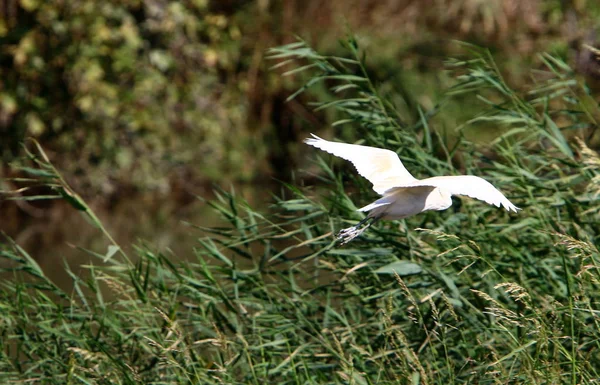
(132,88)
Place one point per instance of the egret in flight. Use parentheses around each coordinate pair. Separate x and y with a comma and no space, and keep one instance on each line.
(402,194)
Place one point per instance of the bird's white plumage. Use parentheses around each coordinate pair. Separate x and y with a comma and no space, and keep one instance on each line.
(469,185)
(403,195)
(381,167)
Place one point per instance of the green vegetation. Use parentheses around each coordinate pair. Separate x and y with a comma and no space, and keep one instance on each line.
(131,89)
(468,295)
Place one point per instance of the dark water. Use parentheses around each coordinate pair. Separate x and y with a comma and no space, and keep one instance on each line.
(57,233)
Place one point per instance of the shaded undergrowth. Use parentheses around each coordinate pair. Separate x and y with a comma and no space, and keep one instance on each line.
(468,295)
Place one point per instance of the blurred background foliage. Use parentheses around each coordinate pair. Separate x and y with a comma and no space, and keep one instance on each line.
(165,96)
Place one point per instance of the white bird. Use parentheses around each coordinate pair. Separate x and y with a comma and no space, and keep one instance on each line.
(402,194)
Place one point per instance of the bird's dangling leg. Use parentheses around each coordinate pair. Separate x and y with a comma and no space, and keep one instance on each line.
(346,235)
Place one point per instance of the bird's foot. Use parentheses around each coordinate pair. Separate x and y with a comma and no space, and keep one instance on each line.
(346,235)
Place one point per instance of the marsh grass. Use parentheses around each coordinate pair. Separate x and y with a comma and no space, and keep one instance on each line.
(468,295)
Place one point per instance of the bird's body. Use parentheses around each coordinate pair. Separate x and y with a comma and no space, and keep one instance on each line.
(402,194)
(403,202)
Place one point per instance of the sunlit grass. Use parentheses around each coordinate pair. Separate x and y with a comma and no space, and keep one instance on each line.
(468,295)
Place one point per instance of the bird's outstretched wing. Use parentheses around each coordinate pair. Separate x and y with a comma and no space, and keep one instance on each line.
(381,167)
(469,185)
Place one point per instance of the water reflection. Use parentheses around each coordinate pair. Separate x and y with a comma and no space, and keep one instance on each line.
(58,233)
